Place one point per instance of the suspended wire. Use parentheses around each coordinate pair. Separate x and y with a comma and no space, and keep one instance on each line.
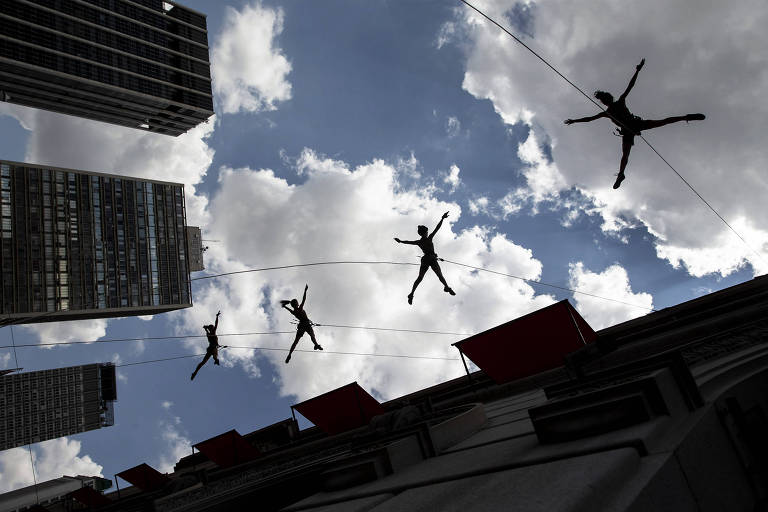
(258,333)
(416,264)
(533,281)
(276,349)
(306,265)
(29,445)
(550,66)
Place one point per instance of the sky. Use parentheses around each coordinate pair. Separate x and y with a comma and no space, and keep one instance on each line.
(341,125)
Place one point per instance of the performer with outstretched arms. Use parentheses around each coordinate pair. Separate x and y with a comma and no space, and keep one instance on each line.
(213,346)
(629,124)
(429,260)
(305,324)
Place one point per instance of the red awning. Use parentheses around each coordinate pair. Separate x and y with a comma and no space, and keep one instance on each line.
(90,497)
(340,410)
(530,344)
(145,477)
(228,449)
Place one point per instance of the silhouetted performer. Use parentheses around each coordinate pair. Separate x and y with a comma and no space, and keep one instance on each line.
(430,257)
(213,346)
(629,124)
(305,324)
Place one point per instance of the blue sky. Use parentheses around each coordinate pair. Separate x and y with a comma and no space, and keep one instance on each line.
(341,125)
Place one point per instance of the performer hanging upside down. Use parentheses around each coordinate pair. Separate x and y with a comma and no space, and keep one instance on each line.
(429,259)
(305,324)
(213,346)
(629,124)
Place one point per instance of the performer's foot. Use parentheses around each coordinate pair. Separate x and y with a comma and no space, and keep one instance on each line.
(619,179)
(192,377)
(287,359)
(318,347)
(216,363)
(449,290)
(410,298)
(695,117)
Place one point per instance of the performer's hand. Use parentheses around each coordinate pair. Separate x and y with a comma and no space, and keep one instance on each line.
(217,314)
(398,240)
(568,121)
(306,287)
(445,215)
(640,66)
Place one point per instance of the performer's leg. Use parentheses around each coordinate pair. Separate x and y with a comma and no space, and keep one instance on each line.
(647,124)
(422,270)
(205,360)
(436,268)
(299,334)
(311,332)
(627,142)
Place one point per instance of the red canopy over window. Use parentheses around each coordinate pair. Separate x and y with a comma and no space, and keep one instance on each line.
(530,344)
(228,449)
(144,476)
(342,409)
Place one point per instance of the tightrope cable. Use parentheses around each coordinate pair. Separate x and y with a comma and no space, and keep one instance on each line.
(550,66)
(307,265)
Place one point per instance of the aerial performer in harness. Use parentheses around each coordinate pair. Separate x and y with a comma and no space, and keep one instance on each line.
(629,124)
(430,257)
(305,324)
(213,346)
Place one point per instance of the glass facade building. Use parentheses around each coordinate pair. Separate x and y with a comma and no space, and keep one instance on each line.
(78,245)
(137,63)
(46,404)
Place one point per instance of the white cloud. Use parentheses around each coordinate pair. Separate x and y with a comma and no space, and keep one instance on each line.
(117,360)
(5,360)
(700,58)
(249,70)
(176,443)
(452,178)
(613,283)
(166,404)
(53,459)
(345,213)
(452,127)
(76,330)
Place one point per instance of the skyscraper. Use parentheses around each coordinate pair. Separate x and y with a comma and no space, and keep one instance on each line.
(137,63)
(78,245)
(46,404)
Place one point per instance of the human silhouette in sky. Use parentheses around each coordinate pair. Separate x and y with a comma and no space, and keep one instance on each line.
(305,324)
(213,346)
(629,124)
(430,257)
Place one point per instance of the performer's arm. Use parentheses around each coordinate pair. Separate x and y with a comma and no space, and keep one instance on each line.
(410,242)
(631,83)
(585,119)
(304,298)
(216,325)
(438,225)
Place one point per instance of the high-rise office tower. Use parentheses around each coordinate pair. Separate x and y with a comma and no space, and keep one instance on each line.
(46,404)
(137,63)
(80,245)
(49,493)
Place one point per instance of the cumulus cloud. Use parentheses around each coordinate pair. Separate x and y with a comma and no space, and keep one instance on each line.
(451,178)
(249,69)
(351,213)
(452,127)
(5,360)
(53,459)
(700,58)
(77,330)
(173,438)
(613,282)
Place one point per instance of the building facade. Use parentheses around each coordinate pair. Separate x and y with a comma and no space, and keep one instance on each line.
(137,63)
(78,245)
(46,404)
(49,492)
(667,412)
